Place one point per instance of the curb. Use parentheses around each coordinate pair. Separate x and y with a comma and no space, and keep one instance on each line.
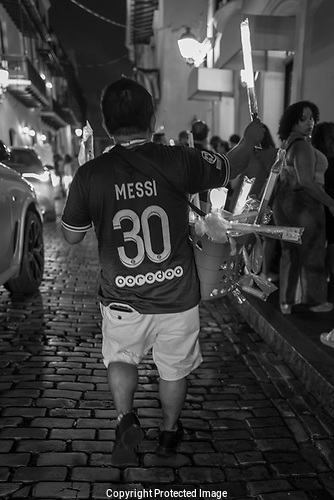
(311,364)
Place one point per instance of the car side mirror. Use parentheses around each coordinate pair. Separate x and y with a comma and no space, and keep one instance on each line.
(4,152)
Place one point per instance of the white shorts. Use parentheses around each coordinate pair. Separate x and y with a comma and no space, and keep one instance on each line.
(128,335)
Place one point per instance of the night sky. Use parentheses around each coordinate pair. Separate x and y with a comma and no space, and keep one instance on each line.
(95,44)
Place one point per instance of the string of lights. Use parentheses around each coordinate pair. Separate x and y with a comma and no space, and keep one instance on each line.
(96,65)
(98,15)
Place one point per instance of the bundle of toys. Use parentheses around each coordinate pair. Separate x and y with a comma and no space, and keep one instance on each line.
(228,246)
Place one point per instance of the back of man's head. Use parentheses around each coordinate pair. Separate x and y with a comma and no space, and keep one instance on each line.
(127,108)
(199,130)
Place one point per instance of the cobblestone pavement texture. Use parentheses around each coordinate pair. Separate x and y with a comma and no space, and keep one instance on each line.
(252,431)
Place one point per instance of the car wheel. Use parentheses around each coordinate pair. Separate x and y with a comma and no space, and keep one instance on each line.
(32,264)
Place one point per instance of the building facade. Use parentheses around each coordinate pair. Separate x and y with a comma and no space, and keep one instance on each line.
(292,47)
(41,102)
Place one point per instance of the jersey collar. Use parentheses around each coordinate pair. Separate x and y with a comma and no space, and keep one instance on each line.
(134,142)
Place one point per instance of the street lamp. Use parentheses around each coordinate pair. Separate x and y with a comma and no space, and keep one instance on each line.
(3,82)
(193,51)
(188,46)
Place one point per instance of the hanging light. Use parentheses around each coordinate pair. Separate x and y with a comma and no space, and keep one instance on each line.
(4,75)
(188,46)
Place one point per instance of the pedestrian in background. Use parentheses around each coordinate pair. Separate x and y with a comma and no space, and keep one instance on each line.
(183,138)
(323,139)
(259,169)
(67,172)
(159,138)
(219,145)
(261,163)
(234,140)
(58,164)
(149,290)
(200,132)
(299,201)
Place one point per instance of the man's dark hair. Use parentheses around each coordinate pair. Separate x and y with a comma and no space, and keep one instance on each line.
(199,130)
(127,107)
(292,115)
(183,135)
(267,141)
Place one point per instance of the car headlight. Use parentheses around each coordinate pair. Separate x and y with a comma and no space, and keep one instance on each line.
(44,177)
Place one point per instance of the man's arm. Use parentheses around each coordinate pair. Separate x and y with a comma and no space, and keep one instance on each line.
(73,237)
(75,221)
(239,157)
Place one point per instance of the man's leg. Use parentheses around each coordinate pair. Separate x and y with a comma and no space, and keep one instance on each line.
(172,397)
(123,380)
(176,353)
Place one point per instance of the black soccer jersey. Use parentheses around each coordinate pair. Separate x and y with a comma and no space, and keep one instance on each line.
(142,228)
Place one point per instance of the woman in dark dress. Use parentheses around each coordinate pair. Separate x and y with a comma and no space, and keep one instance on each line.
(323,139)
(300,201)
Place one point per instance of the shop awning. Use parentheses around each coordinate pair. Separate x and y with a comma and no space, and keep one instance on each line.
(209,84)
(268,33)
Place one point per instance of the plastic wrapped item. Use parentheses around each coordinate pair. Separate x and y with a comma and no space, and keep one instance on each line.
(291,234)
(257,255)
(219,265)
(229,253)
(86,150)
(219,226)
(243,195)
(218,198)
(251,282)
(271,182)
(216,226)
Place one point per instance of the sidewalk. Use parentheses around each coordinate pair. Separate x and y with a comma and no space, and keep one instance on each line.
(296,338)
(252,429)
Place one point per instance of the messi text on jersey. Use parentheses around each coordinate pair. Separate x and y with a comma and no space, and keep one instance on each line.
(135,189)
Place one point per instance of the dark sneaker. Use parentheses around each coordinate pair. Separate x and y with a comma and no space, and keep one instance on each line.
(129,435)
(169,440)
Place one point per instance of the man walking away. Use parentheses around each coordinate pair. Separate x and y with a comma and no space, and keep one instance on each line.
(148,290)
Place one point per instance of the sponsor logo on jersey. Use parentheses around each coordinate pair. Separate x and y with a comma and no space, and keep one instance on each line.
(149,278)
(209,157)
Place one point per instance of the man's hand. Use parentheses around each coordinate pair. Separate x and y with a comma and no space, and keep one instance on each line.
(241,154)
(254,132)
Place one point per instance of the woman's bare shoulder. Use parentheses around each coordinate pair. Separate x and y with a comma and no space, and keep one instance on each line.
(300,146)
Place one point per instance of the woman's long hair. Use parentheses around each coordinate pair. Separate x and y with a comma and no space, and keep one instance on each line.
(292,115)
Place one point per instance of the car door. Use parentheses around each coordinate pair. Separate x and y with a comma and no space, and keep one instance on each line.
(6,219)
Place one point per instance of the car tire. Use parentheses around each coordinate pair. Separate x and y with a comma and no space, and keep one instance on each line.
(32,263)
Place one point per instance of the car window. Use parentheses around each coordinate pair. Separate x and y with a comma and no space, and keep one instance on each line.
(24,161)
(25,157)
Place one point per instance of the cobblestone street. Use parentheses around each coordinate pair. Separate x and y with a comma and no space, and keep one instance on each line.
(252,431)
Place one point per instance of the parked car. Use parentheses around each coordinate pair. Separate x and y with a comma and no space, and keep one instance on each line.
(25,160)
(21,230)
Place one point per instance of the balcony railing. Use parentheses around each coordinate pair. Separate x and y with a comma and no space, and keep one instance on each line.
(25,82)
(54,115)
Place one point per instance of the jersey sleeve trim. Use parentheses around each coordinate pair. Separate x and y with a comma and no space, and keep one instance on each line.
(76,229)
(227,168)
